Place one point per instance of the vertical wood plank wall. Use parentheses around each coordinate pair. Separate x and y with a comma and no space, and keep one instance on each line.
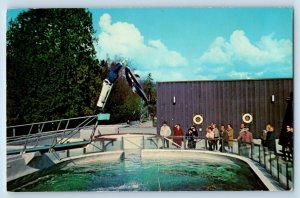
(224,102)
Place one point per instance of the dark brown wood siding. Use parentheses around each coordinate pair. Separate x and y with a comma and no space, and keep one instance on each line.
(224,102)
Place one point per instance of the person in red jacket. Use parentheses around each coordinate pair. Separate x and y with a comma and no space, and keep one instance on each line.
(178,135)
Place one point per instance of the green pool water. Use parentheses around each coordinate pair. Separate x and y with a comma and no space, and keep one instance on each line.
(134,174)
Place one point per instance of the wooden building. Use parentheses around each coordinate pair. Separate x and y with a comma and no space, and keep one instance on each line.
(257,101)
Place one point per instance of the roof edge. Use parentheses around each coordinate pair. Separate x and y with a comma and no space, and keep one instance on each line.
(227,80)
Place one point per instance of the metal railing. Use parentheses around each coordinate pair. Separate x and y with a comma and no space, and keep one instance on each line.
(275,163)
(41,133)
(47,126)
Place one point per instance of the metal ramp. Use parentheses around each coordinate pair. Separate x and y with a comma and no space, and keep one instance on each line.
(49,136)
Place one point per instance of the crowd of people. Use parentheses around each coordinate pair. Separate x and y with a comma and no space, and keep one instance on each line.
(222,139)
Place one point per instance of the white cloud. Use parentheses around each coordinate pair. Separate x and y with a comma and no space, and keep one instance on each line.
(239,75)
(217,53)
(240,49)
(125,40)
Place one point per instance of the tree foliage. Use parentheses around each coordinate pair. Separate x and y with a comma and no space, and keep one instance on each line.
(150,90)
(123,104)
(52,70)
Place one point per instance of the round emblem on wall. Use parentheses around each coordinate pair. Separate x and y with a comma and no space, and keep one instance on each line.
(247,118)
(198,119)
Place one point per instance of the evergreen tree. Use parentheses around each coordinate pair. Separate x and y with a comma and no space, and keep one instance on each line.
(150,90)
(52,70)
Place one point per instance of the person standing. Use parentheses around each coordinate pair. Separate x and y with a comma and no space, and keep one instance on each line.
(195,134)
(270,138)
(230,133)
(190,137)
(263,137)
(245,138)
(242,126)
(178,133)
(287,142)
(224,138)
(217,135)
(165,132)
(210,137)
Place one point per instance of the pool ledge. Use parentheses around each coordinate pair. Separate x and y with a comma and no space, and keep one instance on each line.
(262,174)
(29,166)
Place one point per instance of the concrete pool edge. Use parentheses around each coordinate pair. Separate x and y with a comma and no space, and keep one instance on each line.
(108,155)
(194,154)
(145,153)
(31,166)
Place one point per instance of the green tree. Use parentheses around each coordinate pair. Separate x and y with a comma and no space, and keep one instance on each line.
(150,90)
(52,69)
(149,86)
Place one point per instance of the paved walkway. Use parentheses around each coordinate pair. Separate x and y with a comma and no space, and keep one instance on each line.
(144,128)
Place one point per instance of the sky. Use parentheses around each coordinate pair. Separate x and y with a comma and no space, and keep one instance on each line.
(180,44)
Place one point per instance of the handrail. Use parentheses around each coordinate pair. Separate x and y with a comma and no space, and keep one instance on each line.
(15,126)
(77,129)
(21,138)
(66,138)
(67,132)
(37,128)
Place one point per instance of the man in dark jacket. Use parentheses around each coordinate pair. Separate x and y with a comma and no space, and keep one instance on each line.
(224,138)
(190,137)
(270,138)
(287,142)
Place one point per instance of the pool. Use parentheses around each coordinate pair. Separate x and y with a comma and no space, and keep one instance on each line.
(136,173)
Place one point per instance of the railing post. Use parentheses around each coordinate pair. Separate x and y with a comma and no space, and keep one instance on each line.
(259,154)
(66,127)
(25,145)
(14,132)
(143,143)
(223,146)
(43,127)
(278,171)
(265,164)
(122,143)
(103,146)
(287,175)
(57,129)
(205,143)
(158,142)
(251,151)
(270,162)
